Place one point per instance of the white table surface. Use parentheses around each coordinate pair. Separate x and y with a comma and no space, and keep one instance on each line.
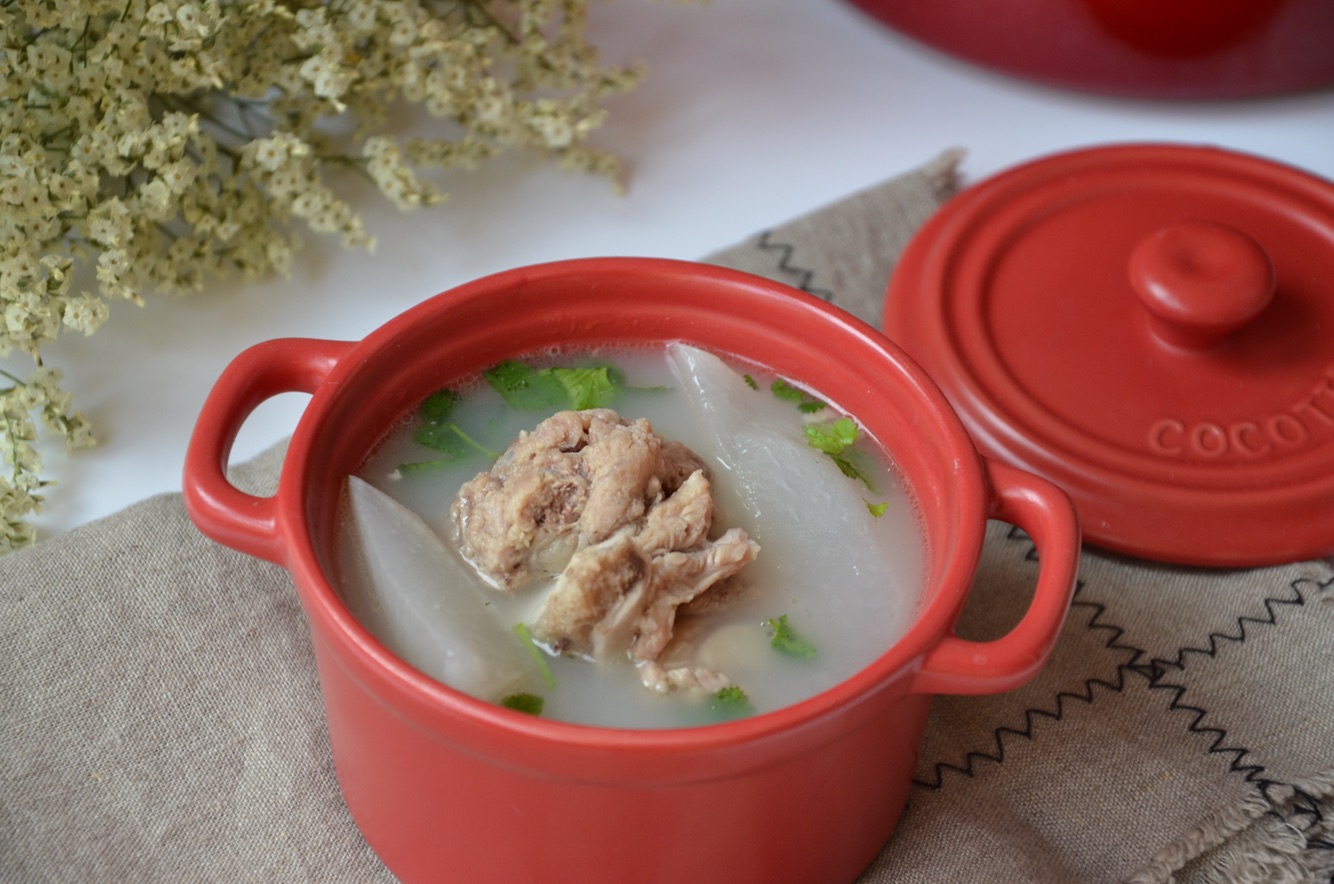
(754,112)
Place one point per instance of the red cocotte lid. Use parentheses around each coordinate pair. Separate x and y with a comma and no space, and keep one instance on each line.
(1152,328)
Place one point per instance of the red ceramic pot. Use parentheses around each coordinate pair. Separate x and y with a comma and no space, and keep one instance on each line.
(1145,48)
(445,787)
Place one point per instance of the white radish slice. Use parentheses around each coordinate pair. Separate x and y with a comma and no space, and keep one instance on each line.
(720,398)
(800,499)
(424,604)
(786,494)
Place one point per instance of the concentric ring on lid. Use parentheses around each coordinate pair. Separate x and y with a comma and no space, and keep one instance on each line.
(1152,328)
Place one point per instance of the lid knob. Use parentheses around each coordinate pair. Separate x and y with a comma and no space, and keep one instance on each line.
(1200,281)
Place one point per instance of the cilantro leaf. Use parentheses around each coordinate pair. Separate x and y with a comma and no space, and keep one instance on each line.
(847,464)
(424,466)
(731,702)
(785,391)
(787,640)
(449,440)
(832,438)
(594,387)
(530,704)
(436,431)
(439,405)
(439,433)
(750,382)
(524,387)
(836,440)
(443,438)
(806,403)
(876,509)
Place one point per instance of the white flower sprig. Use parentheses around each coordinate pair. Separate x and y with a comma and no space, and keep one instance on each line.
(154,144)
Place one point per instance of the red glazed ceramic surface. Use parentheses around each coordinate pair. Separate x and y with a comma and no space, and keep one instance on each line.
(1147,48)
(448,788)
(1147,326)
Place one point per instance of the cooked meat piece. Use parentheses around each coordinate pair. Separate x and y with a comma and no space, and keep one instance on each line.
(623,462)
(662,680)
(678,462)
(721,595)
(682,576)
(681,521)
(524,511)
(574,480)
(621,517)
(592,584)
(617,598)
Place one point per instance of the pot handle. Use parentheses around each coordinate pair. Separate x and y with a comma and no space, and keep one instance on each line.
(1046,514)
(220,509)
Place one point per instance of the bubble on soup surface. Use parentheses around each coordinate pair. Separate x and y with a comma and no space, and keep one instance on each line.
(423,604)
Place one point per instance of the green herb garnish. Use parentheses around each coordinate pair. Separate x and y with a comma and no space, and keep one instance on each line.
(806,403)
(787,640)
(526,388)
(529,704)
(523,388)
(836,440)
(750,382)
(595,387)
(521,630)
(449,438)
(425,466)
(731,702)
(876,509)
(439,433)
(439,405)
(441,437)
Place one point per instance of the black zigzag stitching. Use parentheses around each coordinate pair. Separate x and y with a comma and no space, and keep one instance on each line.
(1031,715)
(803,275)
(1154,672)
(1157,667)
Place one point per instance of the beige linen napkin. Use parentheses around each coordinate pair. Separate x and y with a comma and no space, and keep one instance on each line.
(160,717)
